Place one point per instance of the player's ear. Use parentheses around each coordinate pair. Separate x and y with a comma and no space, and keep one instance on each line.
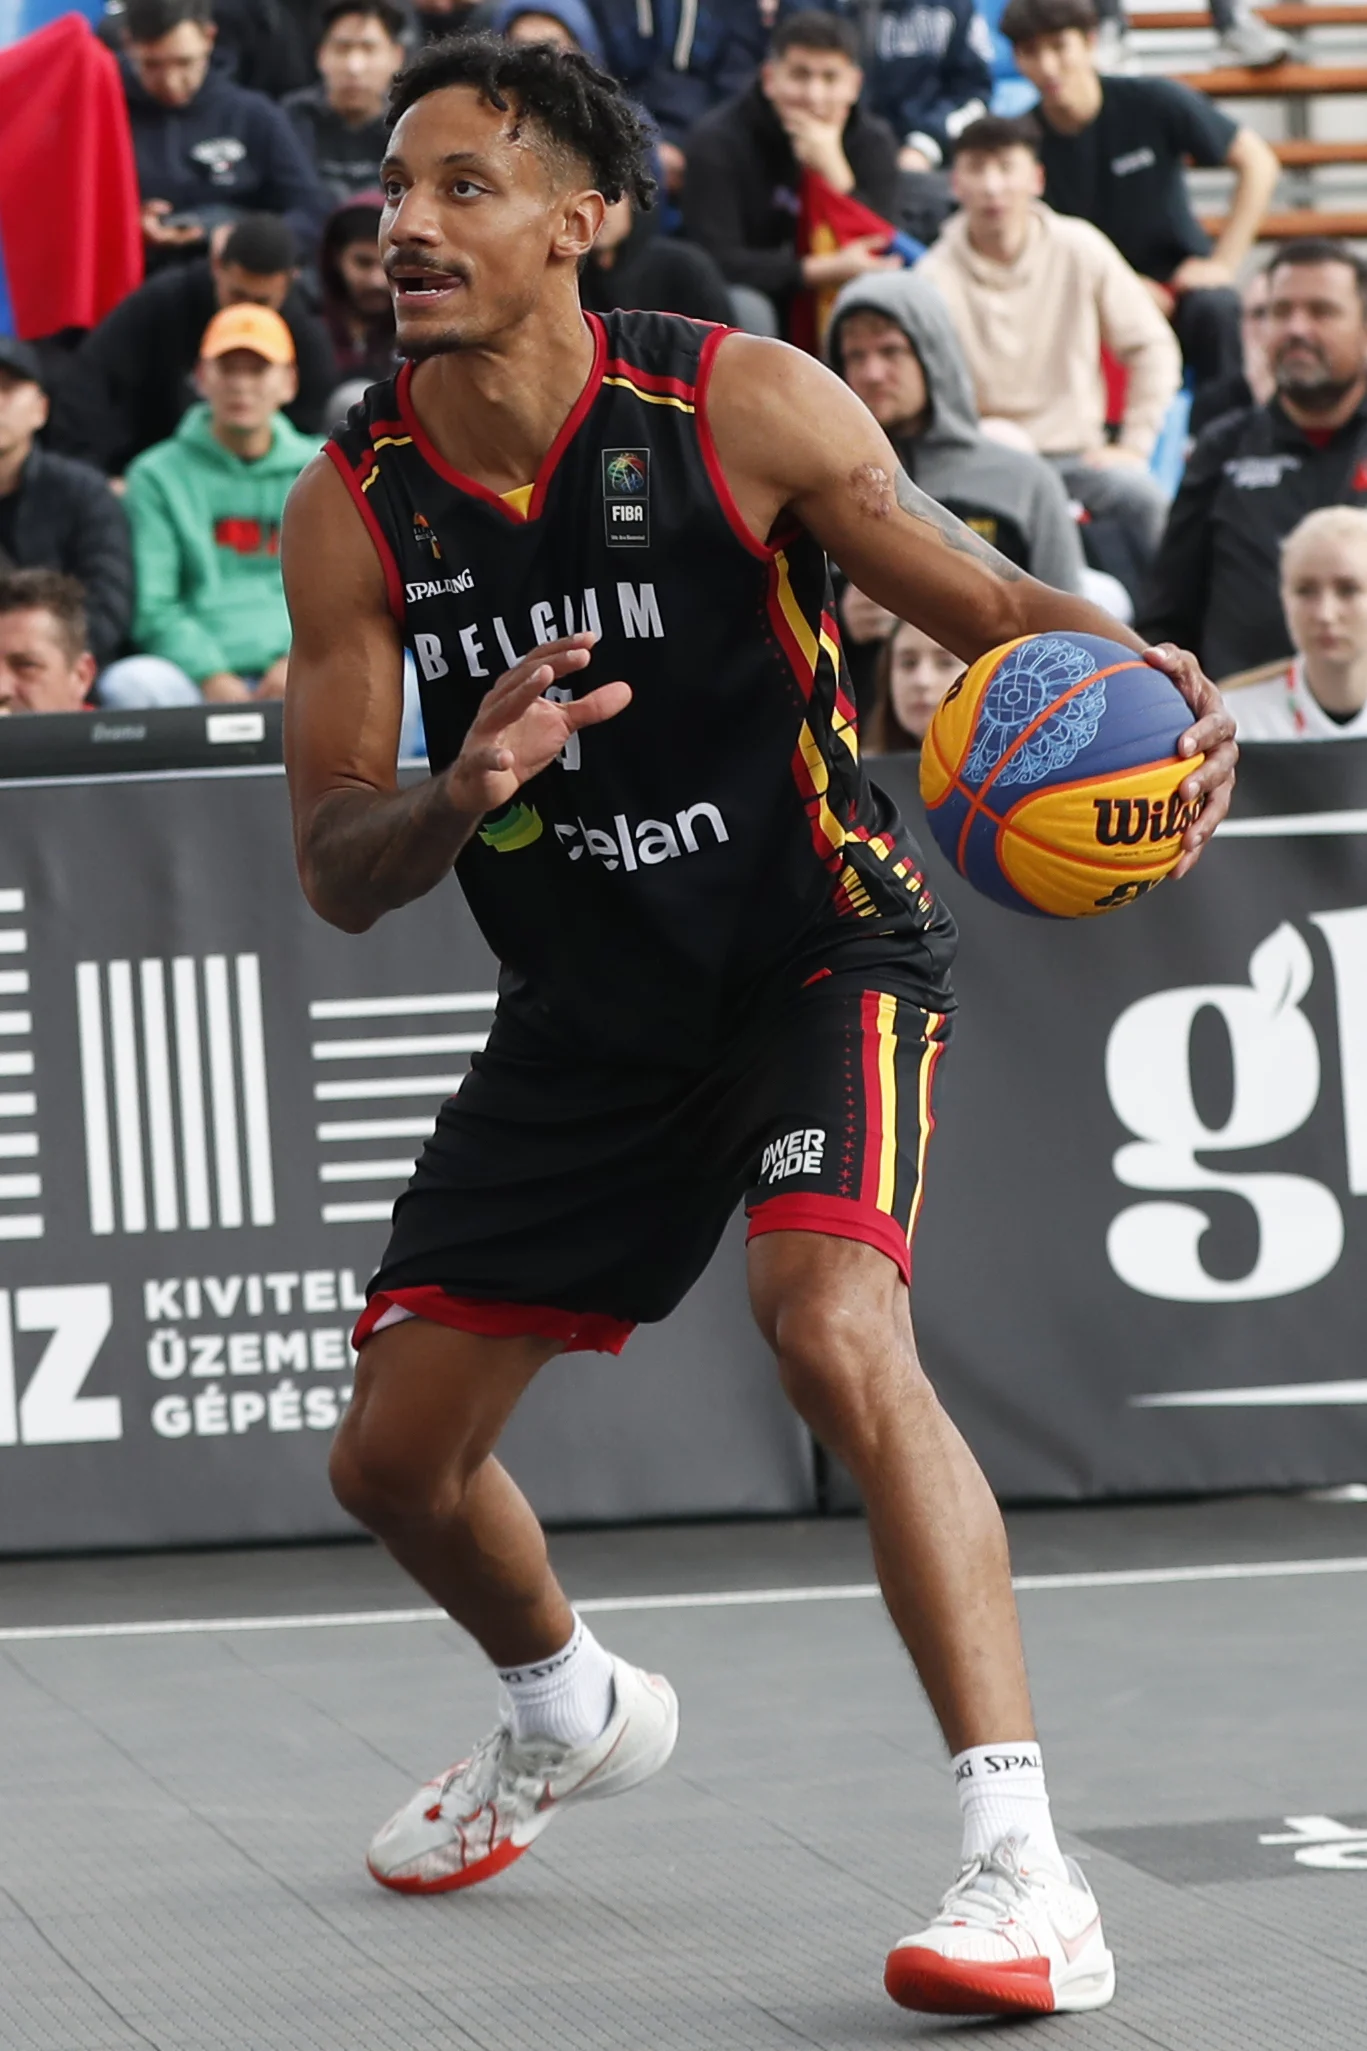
(580,222)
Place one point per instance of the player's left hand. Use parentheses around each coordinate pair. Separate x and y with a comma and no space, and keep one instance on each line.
(1211,736)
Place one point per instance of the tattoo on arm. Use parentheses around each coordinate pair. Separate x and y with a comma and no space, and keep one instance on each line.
(876,493)
(953,531)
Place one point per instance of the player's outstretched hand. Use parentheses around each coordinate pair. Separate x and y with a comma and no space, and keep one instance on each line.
(518,731)
(1211,736)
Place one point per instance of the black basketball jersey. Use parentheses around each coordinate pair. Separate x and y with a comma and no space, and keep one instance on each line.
(719,833)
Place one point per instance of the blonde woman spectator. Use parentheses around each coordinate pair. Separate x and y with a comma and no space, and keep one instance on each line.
(913,675)
(1321,695)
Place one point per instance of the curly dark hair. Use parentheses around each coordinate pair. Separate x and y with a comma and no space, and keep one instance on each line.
(582,112)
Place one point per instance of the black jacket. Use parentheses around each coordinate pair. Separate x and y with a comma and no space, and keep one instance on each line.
(1250,479)
(656,274)
(228,149)
(130,382)
(740,200)
(68,519)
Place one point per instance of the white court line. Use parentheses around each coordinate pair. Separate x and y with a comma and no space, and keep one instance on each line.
(731,1598)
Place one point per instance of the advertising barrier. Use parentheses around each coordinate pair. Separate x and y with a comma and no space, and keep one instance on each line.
(1140,1265)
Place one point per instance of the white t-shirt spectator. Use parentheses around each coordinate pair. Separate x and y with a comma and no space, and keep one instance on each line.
(1282,707)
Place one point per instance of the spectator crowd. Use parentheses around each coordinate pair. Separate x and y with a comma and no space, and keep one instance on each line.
(1058,350)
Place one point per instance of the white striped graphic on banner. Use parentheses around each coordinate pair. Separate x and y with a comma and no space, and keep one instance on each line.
(177,1120)
(387,1172)
(18,1188)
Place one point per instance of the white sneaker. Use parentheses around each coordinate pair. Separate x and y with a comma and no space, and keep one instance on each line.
(1255,43)
(482,1814)
(1006,1941)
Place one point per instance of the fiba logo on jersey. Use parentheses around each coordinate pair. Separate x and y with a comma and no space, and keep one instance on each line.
(425,538)
(626,498)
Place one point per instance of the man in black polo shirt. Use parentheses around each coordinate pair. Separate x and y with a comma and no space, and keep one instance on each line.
(1254,475)
(1114,152)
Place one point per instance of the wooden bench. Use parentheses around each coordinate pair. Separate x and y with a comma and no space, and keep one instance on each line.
(1301,155)
(1298,17)
(1294,222)
(1277,81)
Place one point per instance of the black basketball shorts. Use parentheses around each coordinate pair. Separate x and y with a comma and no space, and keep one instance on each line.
(574,1199)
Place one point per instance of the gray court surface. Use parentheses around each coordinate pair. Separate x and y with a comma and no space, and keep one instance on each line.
(185,1812)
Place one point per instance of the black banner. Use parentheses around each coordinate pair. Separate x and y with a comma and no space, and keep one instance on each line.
(208,1102)
(1141,1262)
(1139,1267)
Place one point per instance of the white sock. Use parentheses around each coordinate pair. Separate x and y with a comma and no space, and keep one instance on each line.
(1002,1794)
(568,1697)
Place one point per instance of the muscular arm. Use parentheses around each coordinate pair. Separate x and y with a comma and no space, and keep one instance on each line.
(792,439)
(363,846)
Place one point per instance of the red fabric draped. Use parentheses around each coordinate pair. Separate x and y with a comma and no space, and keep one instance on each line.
(69,225)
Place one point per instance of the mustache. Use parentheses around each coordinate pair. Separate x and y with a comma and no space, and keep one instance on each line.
(398,260)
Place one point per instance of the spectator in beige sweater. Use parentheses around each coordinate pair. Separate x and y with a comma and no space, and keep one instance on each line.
(1035,297)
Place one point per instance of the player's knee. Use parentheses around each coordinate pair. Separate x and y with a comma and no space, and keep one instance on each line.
(386,1482)
(846,1371)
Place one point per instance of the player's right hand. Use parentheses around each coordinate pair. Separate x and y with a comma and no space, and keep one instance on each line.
(518,732)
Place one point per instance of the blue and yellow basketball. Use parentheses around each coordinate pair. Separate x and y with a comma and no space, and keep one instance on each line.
(1050,775)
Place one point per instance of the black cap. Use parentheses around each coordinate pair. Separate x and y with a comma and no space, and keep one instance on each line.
(20,360)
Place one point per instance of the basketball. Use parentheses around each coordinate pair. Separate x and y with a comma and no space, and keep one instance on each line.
(1050,775)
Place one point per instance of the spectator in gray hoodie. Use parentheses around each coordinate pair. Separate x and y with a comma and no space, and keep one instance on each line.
(892,340)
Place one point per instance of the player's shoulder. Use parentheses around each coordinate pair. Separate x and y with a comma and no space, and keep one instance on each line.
(374,414)
(667,345)
(1260,702)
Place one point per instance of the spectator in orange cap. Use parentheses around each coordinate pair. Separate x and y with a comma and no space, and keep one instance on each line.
(206,508)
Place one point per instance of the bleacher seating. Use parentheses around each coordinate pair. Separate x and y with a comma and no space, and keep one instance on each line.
(1296,106)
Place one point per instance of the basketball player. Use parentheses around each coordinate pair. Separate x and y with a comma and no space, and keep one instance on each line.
(723,973)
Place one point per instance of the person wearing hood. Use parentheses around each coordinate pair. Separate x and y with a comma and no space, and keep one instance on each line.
(207,150)
(633,265)
(206,508)
(358,307)
(340,119)
(893,342)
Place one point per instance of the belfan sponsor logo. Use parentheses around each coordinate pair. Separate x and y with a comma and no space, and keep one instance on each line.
(439,587)
(646,844)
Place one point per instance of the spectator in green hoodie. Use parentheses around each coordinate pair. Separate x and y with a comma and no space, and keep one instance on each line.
(206,506)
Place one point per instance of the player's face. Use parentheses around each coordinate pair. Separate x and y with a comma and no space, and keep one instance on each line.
(357,58)
(174,66)
(880,365)
(36,672)
(474,217)
(1315,332)
(1061,67)
(1324,596)
(922,671)
(995,188)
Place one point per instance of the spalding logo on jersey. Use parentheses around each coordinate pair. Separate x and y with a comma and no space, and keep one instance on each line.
(626,498)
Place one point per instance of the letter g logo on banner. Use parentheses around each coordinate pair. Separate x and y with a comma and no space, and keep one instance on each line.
(1155,1247)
